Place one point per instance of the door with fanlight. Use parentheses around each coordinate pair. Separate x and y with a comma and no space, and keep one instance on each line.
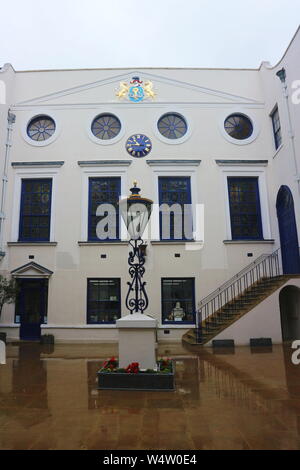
(288,231)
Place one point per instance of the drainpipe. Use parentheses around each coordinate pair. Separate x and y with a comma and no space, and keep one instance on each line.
(281,74)
(11,118)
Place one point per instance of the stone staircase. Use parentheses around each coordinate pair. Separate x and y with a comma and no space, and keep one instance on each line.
(233,310)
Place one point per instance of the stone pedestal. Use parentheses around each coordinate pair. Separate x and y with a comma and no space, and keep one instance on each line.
(137,340)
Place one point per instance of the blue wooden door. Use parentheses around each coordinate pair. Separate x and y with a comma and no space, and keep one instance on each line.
(288,231)
(31,307)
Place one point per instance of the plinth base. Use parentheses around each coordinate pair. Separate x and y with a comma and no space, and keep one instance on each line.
(137,340)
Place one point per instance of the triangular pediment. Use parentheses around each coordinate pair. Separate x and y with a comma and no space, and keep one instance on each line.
(166,90)
(31,270)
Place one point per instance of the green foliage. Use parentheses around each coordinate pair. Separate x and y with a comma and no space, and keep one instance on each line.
(105,371)
(165,365)
(8,291)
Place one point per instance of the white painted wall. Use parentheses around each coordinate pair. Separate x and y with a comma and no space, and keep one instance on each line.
(204,98)
(282,164)
(263,321)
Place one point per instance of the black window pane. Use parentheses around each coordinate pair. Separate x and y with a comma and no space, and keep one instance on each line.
(276,128)
(238,126)
(104,191)
(175,224)
(103,303)
(244,208)
(178,303)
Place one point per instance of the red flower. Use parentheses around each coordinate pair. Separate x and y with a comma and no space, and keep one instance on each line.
(133,368)
(110,364)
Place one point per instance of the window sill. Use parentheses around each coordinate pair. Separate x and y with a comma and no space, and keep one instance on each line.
(248,242)
(31,243)
(171,242)
(106,243)
(169,326)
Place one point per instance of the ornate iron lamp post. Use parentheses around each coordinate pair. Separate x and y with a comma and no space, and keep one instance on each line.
(136,212)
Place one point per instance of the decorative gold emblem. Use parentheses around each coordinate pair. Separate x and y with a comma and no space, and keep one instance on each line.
(135,91)
(148,89)
(123,90)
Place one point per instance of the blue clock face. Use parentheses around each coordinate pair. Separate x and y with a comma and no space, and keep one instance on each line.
(138,145)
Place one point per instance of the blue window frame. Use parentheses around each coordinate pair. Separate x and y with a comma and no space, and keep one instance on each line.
(35,210)
(276,128)
(104,191)
(175,222)
(172,126)
(245,214)
(103,300)
(106,126)
(41,128)
(178,300)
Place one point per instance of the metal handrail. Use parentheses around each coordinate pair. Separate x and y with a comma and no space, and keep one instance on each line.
(265,267)
(231,280)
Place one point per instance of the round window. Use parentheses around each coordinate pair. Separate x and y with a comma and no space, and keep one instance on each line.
(106,126)
(172,126)
(238,126)
(41,128)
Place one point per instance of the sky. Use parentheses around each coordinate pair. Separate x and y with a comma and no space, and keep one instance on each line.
(67,34)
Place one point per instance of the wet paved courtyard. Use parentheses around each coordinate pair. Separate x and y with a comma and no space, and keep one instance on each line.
(241,399)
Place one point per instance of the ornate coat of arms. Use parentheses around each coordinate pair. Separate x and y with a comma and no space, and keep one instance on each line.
(136,90)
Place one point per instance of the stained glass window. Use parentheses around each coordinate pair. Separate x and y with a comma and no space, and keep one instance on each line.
(245,212)
(175,208)
(103,300)
(172,126)
(41,128)
(238,126)
(178,300)
(104,191)
(106,126)
(35,210)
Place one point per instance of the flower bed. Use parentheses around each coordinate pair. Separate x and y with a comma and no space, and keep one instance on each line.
(111,377)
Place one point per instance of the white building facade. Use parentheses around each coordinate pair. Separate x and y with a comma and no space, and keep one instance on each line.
(224,141)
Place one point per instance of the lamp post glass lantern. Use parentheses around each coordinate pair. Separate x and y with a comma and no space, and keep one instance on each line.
(136,212)
(281,74)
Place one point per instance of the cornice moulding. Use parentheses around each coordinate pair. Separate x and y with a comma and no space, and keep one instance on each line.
(242,162)
(173,162)
(89,163)
(56,164)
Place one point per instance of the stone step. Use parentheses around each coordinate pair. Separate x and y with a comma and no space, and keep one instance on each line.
(235,308)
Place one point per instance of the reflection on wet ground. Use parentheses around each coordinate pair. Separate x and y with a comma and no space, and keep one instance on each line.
(242,399)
